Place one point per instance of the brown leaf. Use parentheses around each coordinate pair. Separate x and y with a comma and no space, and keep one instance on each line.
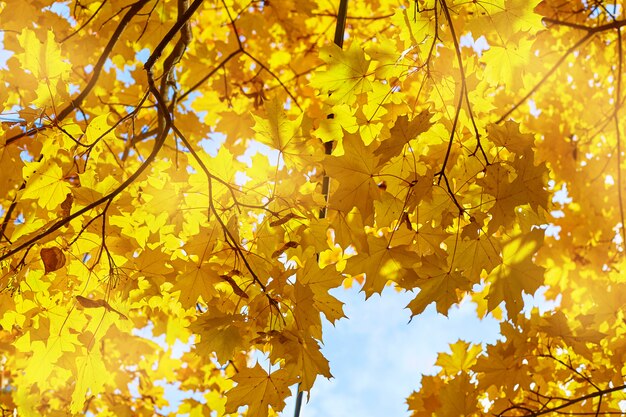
(236,289)
(290,244)
(53,259)
(66,205)
(285,219)
(90,303)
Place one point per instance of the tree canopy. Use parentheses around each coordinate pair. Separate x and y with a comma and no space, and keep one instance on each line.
(208,170)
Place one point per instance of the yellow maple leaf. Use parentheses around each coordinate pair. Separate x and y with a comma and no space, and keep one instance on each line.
(438,284)
(507,64)
(509,136)
(516,16)
(195,281)
(282,133)
(475,255)
(257,389)
(91,378)
(345,76)
(43,59)
(402,132)
(99,129)
(220,333)
(47,185)
(304,358)
(462,357)
(456,398)
(305,313)
(517,274)
(312,363)
(382,264)
(339,119)
(415,28)
(320,281)
(355,172)
(497,183)
(507,17)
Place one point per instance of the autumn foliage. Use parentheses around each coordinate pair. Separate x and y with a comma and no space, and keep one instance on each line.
(207,171)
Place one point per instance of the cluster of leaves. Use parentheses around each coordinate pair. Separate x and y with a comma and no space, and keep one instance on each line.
(165,169)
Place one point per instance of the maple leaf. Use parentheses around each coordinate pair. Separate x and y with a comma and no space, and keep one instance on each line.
(319,281)
(43,59)
(428,239)
(348,229)
(504,368)
(52,258)
(46,354)
(437,284)
(531,181)
(355,172)
(258,390)
(92,376)
(475,255)
(509,136)
(196,281)
(47,185)
(220,333)
(388,209)
(508,63)
(518,15)
(415,28)
(462,357)
(99,130)
(382,264)
(341,118)
(507,17)
(402,132)
(517,274)
(305,313)
(345,76)
(497,183)
(308,362)
(282,134)
(456,398)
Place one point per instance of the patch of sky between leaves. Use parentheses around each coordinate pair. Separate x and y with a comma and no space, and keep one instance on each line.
(608,10)
(377,357)
(172,392)
(479,45)
(4,54)
(62,9)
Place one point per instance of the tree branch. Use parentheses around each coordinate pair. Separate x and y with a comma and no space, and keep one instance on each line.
(566,404)
(97,69)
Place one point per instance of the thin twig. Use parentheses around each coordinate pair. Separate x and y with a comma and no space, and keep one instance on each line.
(86,22)
(591,31)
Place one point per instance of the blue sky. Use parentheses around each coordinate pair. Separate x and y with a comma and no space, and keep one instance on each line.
(376,356)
